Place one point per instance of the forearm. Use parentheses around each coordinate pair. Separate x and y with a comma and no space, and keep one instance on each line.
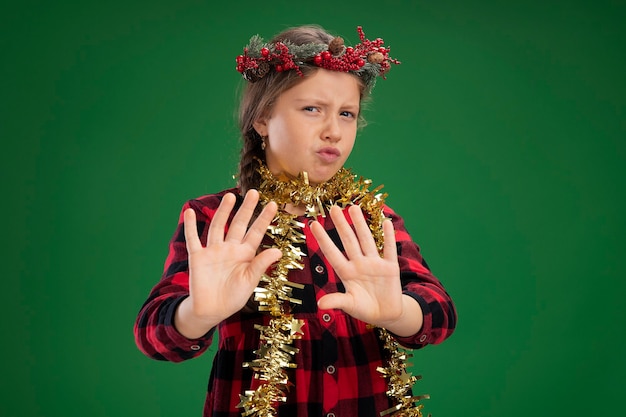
(156,335)
(438,314)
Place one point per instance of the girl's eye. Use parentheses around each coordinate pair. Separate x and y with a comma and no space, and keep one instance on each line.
(310,108)
(347,114)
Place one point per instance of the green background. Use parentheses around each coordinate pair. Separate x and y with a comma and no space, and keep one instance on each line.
(500,139)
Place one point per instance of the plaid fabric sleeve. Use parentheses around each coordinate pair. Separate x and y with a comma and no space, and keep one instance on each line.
(419,283)
(155,333)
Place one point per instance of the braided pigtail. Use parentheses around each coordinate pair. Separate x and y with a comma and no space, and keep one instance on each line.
(251,153)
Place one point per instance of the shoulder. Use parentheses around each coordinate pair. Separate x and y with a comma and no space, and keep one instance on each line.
(211,199)
(208,203)
(389,212)
(397,220)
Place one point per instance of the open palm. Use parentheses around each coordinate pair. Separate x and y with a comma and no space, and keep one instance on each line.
(372,282)
(224,273)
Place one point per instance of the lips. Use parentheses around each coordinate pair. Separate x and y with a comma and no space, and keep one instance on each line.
(329,154)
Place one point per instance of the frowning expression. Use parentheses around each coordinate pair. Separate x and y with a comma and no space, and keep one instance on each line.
(312,126)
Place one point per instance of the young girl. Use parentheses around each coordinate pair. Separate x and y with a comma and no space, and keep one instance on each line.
(310,279)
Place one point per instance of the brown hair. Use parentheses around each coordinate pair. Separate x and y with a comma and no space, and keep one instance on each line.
(259,97)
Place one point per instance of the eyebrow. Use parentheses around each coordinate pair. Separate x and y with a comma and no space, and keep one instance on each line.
(320,101)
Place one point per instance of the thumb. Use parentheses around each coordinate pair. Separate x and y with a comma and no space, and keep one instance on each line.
(263,260)
(333,301)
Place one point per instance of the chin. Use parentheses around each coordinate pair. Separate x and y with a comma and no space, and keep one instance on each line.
(318,179)
(321,174)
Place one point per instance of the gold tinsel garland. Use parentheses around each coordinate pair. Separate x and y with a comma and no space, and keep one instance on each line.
(274,356)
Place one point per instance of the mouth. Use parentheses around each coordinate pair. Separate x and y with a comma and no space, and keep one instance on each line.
(329,154)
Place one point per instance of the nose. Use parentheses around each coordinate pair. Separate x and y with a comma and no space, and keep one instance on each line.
(332,129)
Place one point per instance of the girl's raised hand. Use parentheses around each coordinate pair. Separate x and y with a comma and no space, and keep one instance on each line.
(224,273)
(373,289)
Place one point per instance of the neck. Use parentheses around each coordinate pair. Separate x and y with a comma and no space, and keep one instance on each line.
(298,210)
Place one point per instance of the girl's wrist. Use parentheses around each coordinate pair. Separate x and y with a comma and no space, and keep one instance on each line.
(410,320)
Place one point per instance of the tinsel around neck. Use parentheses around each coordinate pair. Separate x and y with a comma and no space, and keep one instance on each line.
(342,189)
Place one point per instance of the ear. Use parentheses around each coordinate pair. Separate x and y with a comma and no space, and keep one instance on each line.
(260,125)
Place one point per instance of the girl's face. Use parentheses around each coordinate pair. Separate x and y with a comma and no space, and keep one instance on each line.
(312,126)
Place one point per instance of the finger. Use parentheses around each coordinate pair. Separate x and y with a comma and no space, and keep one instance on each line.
(239,226)
(350,242)
(390,251)
(335,300)
(363,232)
(262,261)
(218,223)
(259,227)
(327,246)
(191,231)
